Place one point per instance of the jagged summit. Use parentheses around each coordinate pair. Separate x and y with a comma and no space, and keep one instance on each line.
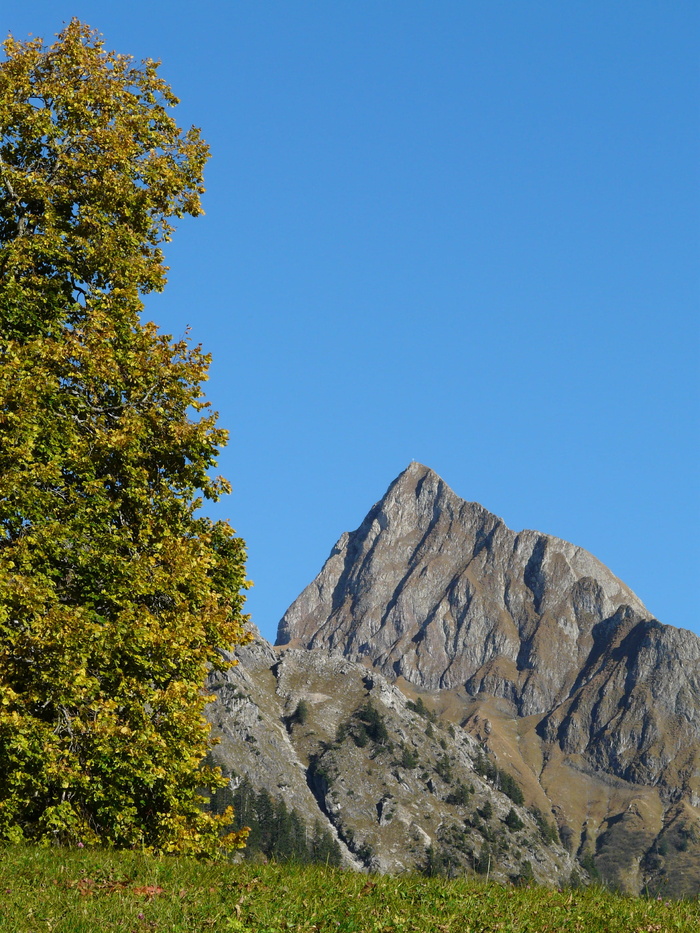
(420,485)
(440,591)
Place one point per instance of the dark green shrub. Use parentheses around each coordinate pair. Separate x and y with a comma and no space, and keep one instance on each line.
(444,769)
(360,736)
(587,861)
(371,720)
(485,768)
(526,875)
(341,733)
(301,714)
(485,860)
(513,821)
(486,812)
(509,786)
(460,795)
(548,831)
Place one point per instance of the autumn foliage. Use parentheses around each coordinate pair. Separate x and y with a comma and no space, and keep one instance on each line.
(116,595)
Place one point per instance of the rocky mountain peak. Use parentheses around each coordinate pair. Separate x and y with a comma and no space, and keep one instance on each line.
(416,500)
(439,591)
(510,654)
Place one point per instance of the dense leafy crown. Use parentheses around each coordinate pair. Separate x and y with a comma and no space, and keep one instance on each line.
(115,594)
(92,166)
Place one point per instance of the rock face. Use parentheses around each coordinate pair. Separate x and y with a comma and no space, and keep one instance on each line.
(504,627)
(440,591)
(397,787)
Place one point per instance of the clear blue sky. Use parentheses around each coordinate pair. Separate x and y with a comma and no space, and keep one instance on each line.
(464,233)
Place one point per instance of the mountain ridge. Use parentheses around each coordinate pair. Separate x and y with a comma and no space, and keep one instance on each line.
(408,533)
(450,695)
(535,647)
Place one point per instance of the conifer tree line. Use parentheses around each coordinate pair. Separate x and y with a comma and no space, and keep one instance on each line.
(276,832)
(503,781)
(116,593)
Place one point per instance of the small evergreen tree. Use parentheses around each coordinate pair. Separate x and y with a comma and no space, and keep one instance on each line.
(548,831)
(513,821)
(526,876)
(283,845)
(422,710)
(265,819)
(301,714)
(484,861)
(373,722)
(244,804)
(484,767)
(510,787)
(433,862)
(409,758)
(460,795)
(278,832)
(444,768)
(360,735)
(300,845)
(486,812)
(341,733)
(587,861)
(324,848)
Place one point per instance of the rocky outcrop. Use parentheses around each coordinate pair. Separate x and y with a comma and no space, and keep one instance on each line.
(399,788)
(590,700)
(635,708)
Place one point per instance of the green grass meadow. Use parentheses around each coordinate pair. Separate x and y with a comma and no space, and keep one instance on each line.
(89,891)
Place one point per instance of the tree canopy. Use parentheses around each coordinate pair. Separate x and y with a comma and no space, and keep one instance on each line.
(116,594)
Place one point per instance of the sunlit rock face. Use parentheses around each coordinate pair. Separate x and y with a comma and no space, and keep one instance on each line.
(440,591)
(387,798)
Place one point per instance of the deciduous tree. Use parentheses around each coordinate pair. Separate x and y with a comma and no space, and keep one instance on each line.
(116,594)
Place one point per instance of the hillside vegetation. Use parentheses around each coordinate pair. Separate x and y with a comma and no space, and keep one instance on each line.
(83,891)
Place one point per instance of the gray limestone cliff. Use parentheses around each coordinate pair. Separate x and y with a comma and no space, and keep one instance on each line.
(437,589)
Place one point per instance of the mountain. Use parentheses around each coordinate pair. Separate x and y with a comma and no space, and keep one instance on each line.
(534,648)
(440,591)
(394,786)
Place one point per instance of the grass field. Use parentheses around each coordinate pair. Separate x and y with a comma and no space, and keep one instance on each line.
(85,891)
